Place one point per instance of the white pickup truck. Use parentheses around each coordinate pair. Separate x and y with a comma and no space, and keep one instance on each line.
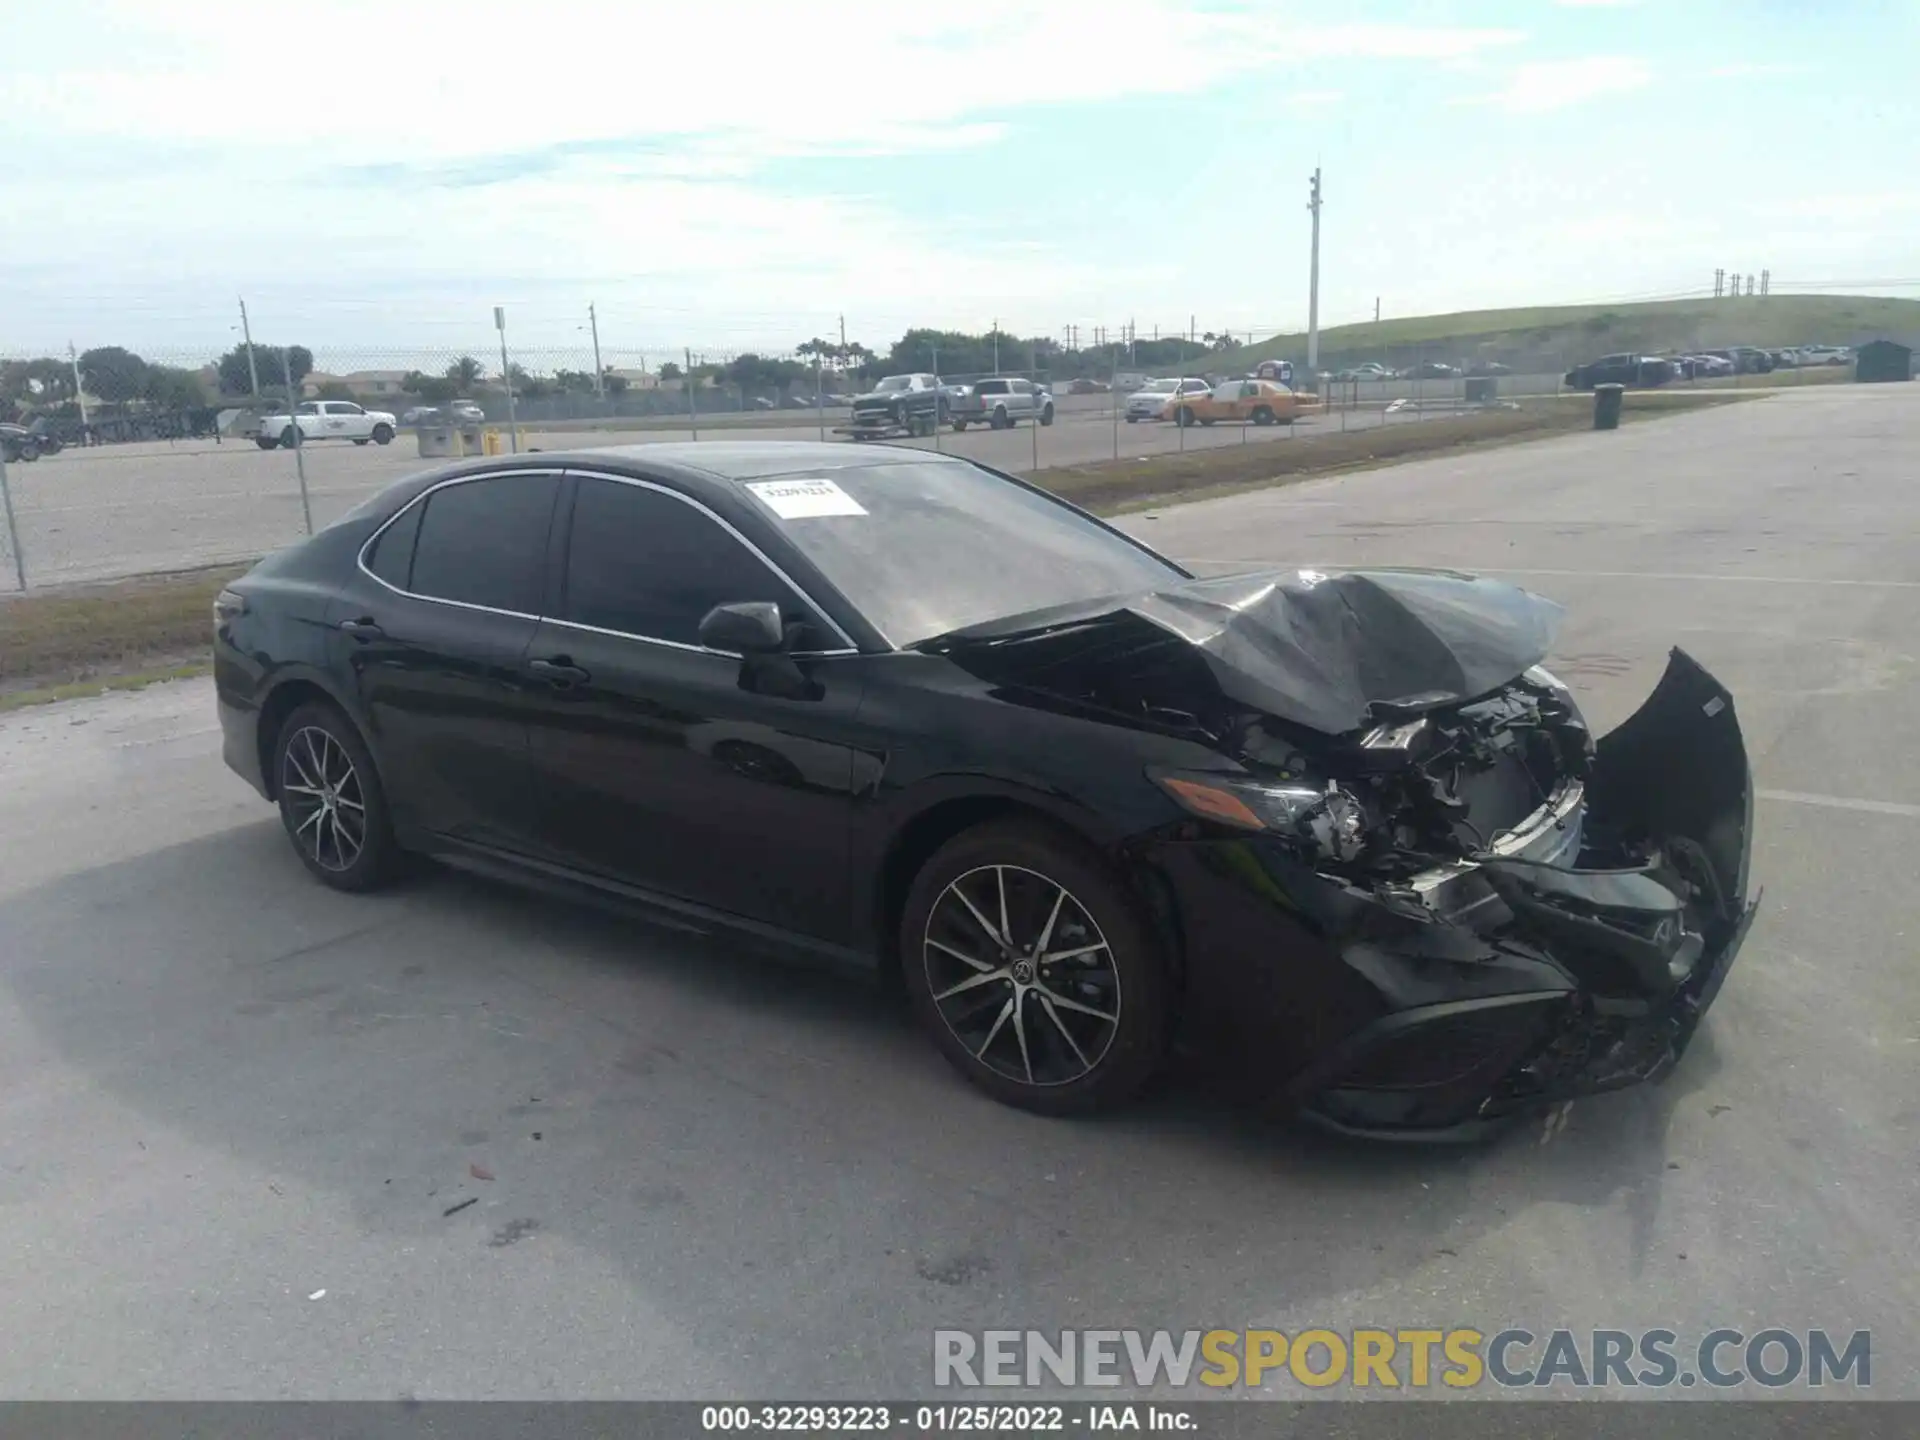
(323,420)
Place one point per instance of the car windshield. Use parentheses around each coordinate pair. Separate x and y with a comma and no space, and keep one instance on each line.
(894,382)
(939,546)
(1160,387)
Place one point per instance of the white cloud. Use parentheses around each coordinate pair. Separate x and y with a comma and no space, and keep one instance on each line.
(1754,70)
(1556,84)
(418,76)
(422,157)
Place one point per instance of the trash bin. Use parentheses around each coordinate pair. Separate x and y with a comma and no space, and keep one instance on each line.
(1606,406)
(438,441)
(1481,389)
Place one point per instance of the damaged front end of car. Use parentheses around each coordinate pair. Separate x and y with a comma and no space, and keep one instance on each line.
(1414,888)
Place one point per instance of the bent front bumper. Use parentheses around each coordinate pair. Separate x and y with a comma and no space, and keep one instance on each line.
(1569,972)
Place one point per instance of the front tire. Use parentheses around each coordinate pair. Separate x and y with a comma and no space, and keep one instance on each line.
(1034,970)
(265,444)
(1046,416)
(383,434)
(331,800)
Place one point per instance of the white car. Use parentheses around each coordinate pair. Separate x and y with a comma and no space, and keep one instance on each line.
(1825,355)
(1147,402)
(326,420)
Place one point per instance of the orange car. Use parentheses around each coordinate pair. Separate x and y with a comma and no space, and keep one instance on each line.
(1263,402)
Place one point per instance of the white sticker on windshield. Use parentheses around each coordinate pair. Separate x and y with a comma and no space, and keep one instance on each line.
(805,499)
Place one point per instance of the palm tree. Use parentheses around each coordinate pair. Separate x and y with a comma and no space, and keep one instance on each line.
(465,373)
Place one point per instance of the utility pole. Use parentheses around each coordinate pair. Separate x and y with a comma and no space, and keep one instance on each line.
(506,376)
(79,386)
(1766,277)
(253,373)
(1313,281)
(843,333)
(299,437)
(599,375)
(1376,329)
(996,345)
(1719,283)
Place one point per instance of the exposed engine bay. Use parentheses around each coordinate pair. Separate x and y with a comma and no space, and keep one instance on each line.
(1396,731)
(1419,787)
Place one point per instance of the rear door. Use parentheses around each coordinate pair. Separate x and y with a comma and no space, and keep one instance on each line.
(656,768)
(434,631)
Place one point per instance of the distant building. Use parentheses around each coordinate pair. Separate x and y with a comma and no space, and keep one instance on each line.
(637,379)
(374,382)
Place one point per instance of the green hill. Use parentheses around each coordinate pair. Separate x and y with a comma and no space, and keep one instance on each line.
(1555,337)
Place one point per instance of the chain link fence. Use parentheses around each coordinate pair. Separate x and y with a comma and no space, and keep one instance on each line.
(118,464)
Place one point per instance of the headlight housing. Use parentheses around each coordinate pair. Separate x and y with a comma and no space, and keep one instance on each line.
(1329,819)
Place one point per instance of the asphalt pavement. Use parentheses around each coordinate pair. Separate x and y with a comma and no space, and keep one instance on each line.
(244,1116)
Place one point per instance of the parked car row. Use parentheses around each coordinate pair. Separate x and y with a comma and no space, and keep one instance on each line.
(1649,370)
(1191,400)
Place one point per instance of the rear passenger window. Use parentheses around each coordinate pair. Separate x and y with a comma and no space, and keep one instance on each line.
(392,555)
(644,563)
(484,542)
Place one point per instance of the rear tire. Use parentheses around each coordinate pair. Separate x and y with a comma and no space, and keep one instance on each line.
(359,440)
(1183,417)
(1083,1032)
(289,438)
(1262,415)
(331,800)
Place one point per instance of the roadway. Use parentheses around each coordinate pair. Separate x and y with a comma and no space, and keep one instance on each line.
(124,510)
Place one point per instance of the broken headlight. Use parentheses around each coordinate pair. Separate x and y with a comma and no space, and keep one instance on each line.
(1330,819)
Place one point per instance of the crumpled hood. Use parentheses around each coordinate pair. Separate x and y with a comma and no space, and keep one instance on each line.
(1322,650)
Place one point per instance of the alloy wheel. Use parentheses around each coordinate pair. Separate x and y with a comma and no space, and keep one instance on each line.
(327,807)
(1021,975)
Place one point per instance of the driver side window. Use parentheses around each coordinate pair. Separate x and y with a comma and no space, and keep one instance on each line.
(646,563)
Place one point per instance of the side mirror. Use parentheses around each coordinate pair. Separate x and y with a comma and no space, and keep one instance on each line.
(747,627)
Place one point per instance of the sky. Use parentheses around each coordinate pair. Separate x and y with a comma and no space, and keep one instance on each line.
(377,176)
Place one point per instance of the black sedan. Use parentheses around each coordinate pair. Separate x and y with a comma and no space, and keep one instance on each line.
(1339,832)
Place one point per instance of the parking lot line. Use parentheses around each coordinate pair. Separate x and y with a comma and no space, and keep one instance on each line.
(1841,802)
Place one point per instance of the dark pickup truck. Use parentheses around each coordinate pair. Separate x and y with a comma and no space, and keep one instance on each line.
(1638,371)
(899,405)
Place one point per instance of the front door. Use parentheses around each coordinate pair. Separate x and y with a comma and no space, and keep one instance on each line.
(656,768)
(435,633)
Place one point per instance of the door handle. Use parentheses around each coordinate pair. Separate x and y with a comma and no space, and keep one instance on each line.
(559,670)
(365,628)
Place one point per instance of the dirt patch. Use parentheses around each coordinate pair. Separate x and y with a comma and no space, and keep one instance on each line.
(1121,484)
(82,634)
